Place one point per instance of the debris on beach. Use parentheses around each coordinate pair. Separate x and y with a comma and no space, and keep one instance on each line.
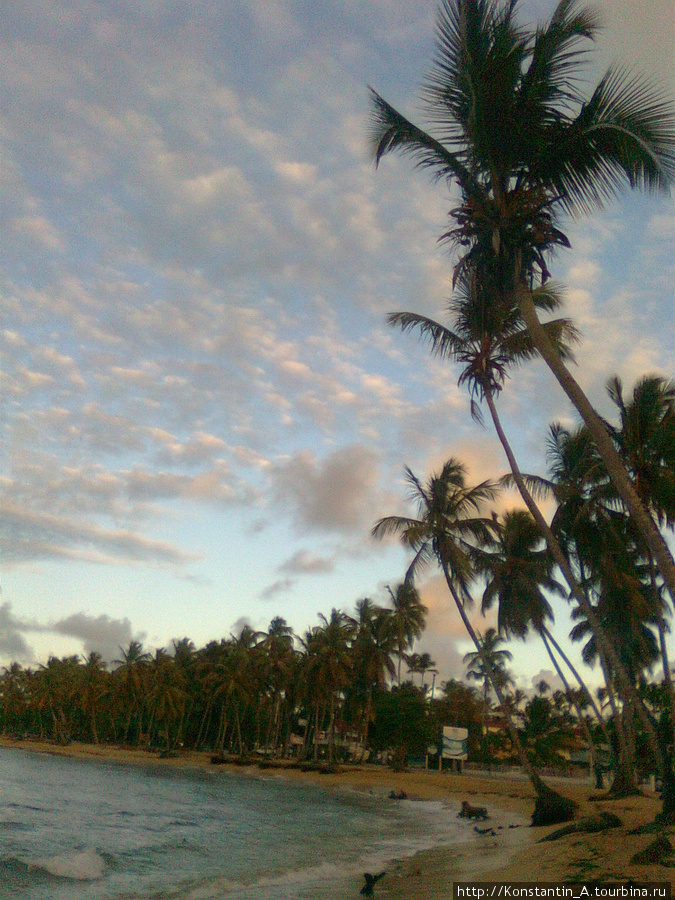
(371,881)
(472,812)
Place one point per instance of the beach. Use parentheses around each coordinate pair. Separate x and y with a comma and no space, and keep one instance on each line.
(514,851)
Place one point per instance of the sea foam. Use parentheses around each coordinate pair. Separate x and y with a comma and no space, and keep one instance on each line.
(79,865)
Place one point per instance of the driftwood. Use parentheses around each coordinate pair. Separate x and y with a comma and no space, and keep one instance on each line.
(472,812)
(588,825)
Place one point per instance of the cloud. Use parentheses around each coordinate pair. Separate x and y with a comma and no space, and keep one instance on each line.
(101,634)
(551,678)
(28,535)
(336,493)
(304,562)
(13,645)
(280,586)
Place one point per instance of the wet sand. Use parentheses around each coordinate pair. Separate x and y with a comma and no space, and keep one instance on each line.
(511,854)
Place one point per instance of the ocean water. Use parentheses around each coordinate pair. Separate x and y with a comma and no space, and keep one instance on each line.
(88,830)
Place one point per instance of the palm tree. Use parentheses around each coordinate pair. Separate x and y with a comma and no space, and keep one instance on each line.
(599,542)
(476,670)
(516,134)
(93,689)
(517,572)
(167,695)
(372,649)
(407,619)
(130,674)
(279,659)
(445,530)
(488,340)
(645,439)
(333,663)
(426,664)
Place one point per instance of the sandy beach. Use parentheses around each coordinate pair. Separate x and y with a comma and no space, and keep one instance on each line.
(511,854)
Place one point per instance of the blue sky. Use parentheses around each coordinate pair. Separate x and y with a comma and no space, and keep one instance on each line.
(204,411)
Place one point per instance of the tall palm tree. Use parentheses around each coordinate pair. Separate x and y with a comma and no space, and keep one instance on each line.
(445,530)
(279,660)
(476,670)
(94,682)
(598,539)
(130,674)
(645,438)
(407,618)
(372,649)
(488,339)
(518,572)
(526,147)
(334,663)
(426,664)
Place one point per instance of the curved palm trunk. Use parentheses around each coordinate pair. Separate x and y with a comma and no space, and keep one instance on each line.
(575,703)
(543,791)
(615,467)
(605,647)
(561,653)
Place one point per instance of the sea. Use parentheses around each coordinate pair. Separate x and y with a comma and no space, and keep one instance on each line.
(73,829)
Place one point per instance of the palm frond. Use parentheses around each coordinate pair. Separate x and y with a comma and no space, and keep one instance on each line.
(540,488)
(625,134)
(391,132)
(444,342)
(555,55)
(393,526)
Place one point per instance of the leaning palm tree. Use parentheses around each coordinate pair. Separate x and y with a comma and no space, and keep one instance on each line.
(488,339)
(518,574)
(645,438)
(447,527)
(511,127)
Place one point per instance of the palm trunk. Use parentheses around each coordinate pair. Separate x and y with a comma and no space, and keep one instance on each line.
(667,677)
(559,808)
(604,645)
(624,784)
(582,685)
(575,703)
(615,467)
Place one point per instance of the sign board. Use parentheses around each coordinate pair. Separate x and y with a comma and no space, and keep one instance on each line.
(455,742)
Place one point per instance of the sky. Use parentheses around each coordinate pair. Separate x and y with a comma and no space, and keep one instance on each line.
(204,411)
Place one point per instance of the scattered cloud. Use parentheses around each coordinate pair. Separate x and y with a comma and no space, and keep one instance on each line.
(101,634)
(334,493)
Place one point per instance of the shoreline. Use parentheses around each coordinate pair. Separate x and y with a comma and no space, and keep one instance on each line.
(510,854)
